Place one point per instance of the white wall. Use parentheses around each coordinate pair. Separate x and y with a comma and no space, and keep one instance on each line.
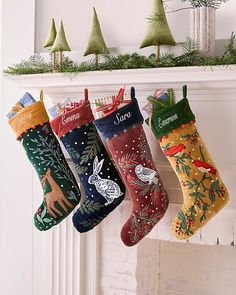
(123,21)
(15,171)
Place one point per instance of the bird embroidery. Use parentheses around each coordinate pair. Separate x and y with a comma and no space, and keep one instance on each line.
(204,167)
(146,174)
(174,150)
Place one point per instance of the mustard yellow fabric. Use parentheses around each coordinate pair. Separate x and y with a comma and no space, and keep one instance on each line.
(32,115)
(204,193)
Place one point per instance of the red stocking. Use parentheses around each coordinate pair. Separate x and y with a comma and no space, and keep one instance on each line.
(129,148)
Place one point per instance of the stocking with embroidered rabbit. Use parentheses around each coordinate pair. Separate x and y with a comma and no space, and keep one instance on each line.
(61,192)
(103,188)
(129,148)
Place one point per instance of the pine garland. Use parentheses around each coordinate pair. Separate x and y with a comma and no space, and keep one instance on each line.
(191,56)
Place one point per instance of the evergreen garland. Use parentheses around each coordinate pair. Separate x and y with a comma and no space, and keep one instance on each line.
(191,56)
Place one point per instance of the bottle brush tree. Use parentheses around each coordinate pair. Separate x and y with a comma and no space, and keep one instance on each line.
(60,44)
(96,44)
(158,32)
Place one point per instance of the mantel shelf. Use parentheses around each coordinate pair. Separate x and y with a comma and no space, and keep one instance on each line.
(210,88)
(206,79)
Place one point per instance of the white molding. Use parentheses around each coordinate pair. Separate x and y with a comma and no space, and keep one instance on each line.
(197,78)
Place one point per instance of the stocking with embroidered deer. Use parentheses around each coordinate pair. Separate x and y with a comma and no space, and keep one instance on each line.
(61,192)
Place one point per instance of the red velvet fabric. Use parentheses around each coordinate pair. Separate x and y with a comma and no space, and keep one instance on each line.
(72,119)
(131,152)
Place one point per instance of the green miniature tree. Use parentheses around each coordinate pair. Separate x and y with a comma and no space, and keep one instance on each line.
(158,32)
(60,43)
(96,44)
(51,38)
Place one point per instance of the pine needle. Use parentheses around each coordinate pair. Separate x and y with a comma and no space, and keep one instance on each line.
(191,56)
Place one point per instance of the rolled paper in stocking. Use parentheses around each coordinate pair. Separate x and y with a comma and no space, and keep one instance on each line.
(204,193)
(61,192)
(103,187)
(129,148)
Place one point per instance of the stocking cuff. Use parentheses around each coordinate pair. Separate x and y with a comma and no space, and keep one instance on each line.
(72,119)
(120,120)
(28,117)
(171,118)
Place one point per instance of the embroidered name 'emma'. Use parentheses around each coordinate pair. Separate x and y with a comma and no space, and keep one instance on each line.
(163,123)
(122,118)
(65,120)
(23,118)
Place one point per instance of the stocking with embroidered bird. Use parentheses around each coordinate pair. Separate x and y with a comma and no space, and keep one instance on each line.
(204,193)
(61,192)
(127,143)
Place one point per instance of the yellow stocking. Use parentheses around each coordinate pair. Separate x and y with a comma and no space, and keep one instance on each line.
(204,193)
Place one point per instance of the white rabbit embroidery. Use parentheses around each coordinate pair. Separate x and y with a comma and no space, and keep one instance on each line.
(106,187)
(146,174)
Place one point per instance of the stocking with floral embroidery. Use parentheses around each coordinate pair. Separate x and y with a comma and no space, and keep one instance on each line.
(129,148)
(204,192)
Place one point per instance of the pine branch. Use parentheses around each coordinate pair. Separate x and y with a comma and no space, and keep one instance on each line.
(191,56)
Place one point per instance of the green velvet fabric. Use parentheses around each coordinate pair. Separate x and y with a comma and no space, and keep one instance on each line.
(158,32)
(96,43)
(51,35)
(60,43)
(170,118)
(45,154)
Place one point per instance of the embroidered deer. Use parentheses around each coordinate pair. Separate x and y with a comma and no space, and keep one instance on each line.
(55,195)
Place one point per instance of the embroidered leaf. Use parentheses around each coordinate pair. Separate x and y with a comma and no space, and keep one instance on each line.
(48,151)
(189,184)
(181,216)
(39,219)
(166,147)
(71,196)
(191,138)
(47,220)
(195,181)
(186,169)
(215,185)
(93,146)
(73,153)
(81,169)
(128,161)
(144,148)
(92,222)
(44,211)
(143,222)
(212,195)
(90,206)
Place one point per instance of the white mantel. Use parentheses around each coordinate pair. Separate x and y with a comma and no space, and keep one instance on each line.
(212,92)
(100,82)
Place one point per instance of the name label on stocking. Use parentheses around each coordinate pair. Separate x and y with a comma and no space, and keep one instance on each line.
(167,121)
(65,120)
(121,118)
